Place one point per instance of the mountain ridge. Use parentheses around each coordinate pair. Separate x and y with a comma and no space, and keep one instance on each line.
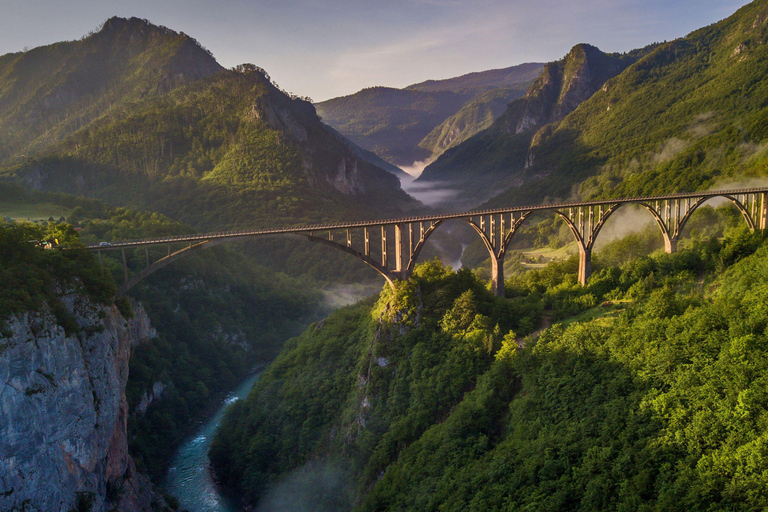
(52,91)
(419,121)
(498,157)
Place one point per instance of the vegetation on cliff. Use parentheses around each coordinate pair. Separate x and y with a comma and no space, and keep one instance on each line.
(217,313)
(32,276)
(649,399)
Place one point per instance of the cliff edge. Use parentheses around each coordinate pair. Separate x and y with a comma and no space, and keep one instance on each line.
(63,410)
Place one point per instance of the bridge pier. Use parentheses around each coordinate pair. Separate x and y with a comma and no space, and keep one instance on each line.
(402,239)
(670,245)
(497,276)
(585,264)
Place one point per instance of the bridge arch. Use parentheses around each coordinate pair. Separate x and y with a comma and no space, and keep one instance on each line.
(497,260)
(751,222)
(670,241)
(385,273)
(142,274)
(419,246)
(496,227)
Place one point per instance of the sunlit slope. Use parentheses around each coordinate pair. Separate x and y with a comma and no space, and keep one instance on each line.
(500,155)
(688,116)
(645,393)
(226,151)
(49,92)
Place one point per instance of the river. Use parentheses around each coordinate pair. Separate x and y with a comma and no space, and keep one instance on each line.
(188,478)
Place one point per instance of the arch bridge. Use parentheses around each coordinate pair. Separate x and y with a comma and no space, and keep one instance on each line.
(392,246)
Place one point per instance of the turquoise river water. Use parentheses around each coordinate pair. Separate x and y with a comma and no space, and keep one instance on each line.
(189,478)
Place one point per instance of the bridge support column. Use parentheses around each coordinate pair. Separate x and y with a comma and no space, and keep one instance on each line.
(763,222)
(497,276)
(399,248)
(585,265)
(670,245)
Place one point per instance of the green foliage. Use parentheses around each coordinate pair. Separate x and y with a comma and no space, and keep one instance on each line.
(228,151)
(688,116)
(432,407)
(32,276)
(52,91)
(366,381)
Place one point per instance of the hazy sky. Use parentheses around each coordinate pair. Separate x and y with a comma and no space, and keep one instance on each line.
(331,48)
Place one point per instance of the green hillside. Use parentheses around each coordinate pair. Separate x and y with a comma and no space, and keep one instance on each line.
(687,116)
(651,399)
(50,92)
(499,156)
(230,150)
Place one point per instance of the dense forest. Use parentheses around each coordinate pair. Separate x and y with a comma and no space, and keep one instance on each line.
(644,394)
(218,314)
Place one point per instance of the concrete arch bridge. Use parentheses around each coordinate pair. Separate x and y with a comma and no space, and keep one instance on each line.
(392,246)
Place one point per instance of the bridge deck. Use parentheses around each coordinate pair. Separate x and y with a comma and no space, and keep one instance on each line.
(197,237)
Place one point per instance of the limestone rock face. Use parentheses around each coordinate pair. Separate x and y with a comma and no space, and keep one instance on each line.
(565,84)
(63,411)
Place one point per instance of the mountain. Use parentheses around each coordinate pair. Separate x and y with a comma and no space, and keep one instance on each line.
(50,92)
(646,393)
(393,122)
(228,150)
(495,158)
(687,115)
(483,81)
(473,117)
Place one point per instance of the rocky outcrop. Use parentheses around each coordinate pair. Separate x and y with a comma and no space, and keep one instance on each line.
(564,85)
(63,411)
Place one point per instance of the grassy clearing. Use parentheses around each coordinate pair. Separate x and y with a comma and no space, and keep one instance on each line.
(606,312)
(33,212)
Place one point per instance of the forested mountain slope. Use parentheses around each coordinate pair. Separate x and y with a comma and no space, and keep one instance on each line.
(49,92)
(229,150)
(687,116)
(422,400)
(497,157)
(419,121)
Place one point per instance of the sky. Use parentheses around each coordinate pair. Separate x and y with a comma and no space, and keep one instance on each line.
(324,49)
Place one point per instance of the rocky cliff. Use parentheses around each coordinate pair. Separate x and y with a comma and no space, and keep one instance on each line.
(63,411)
